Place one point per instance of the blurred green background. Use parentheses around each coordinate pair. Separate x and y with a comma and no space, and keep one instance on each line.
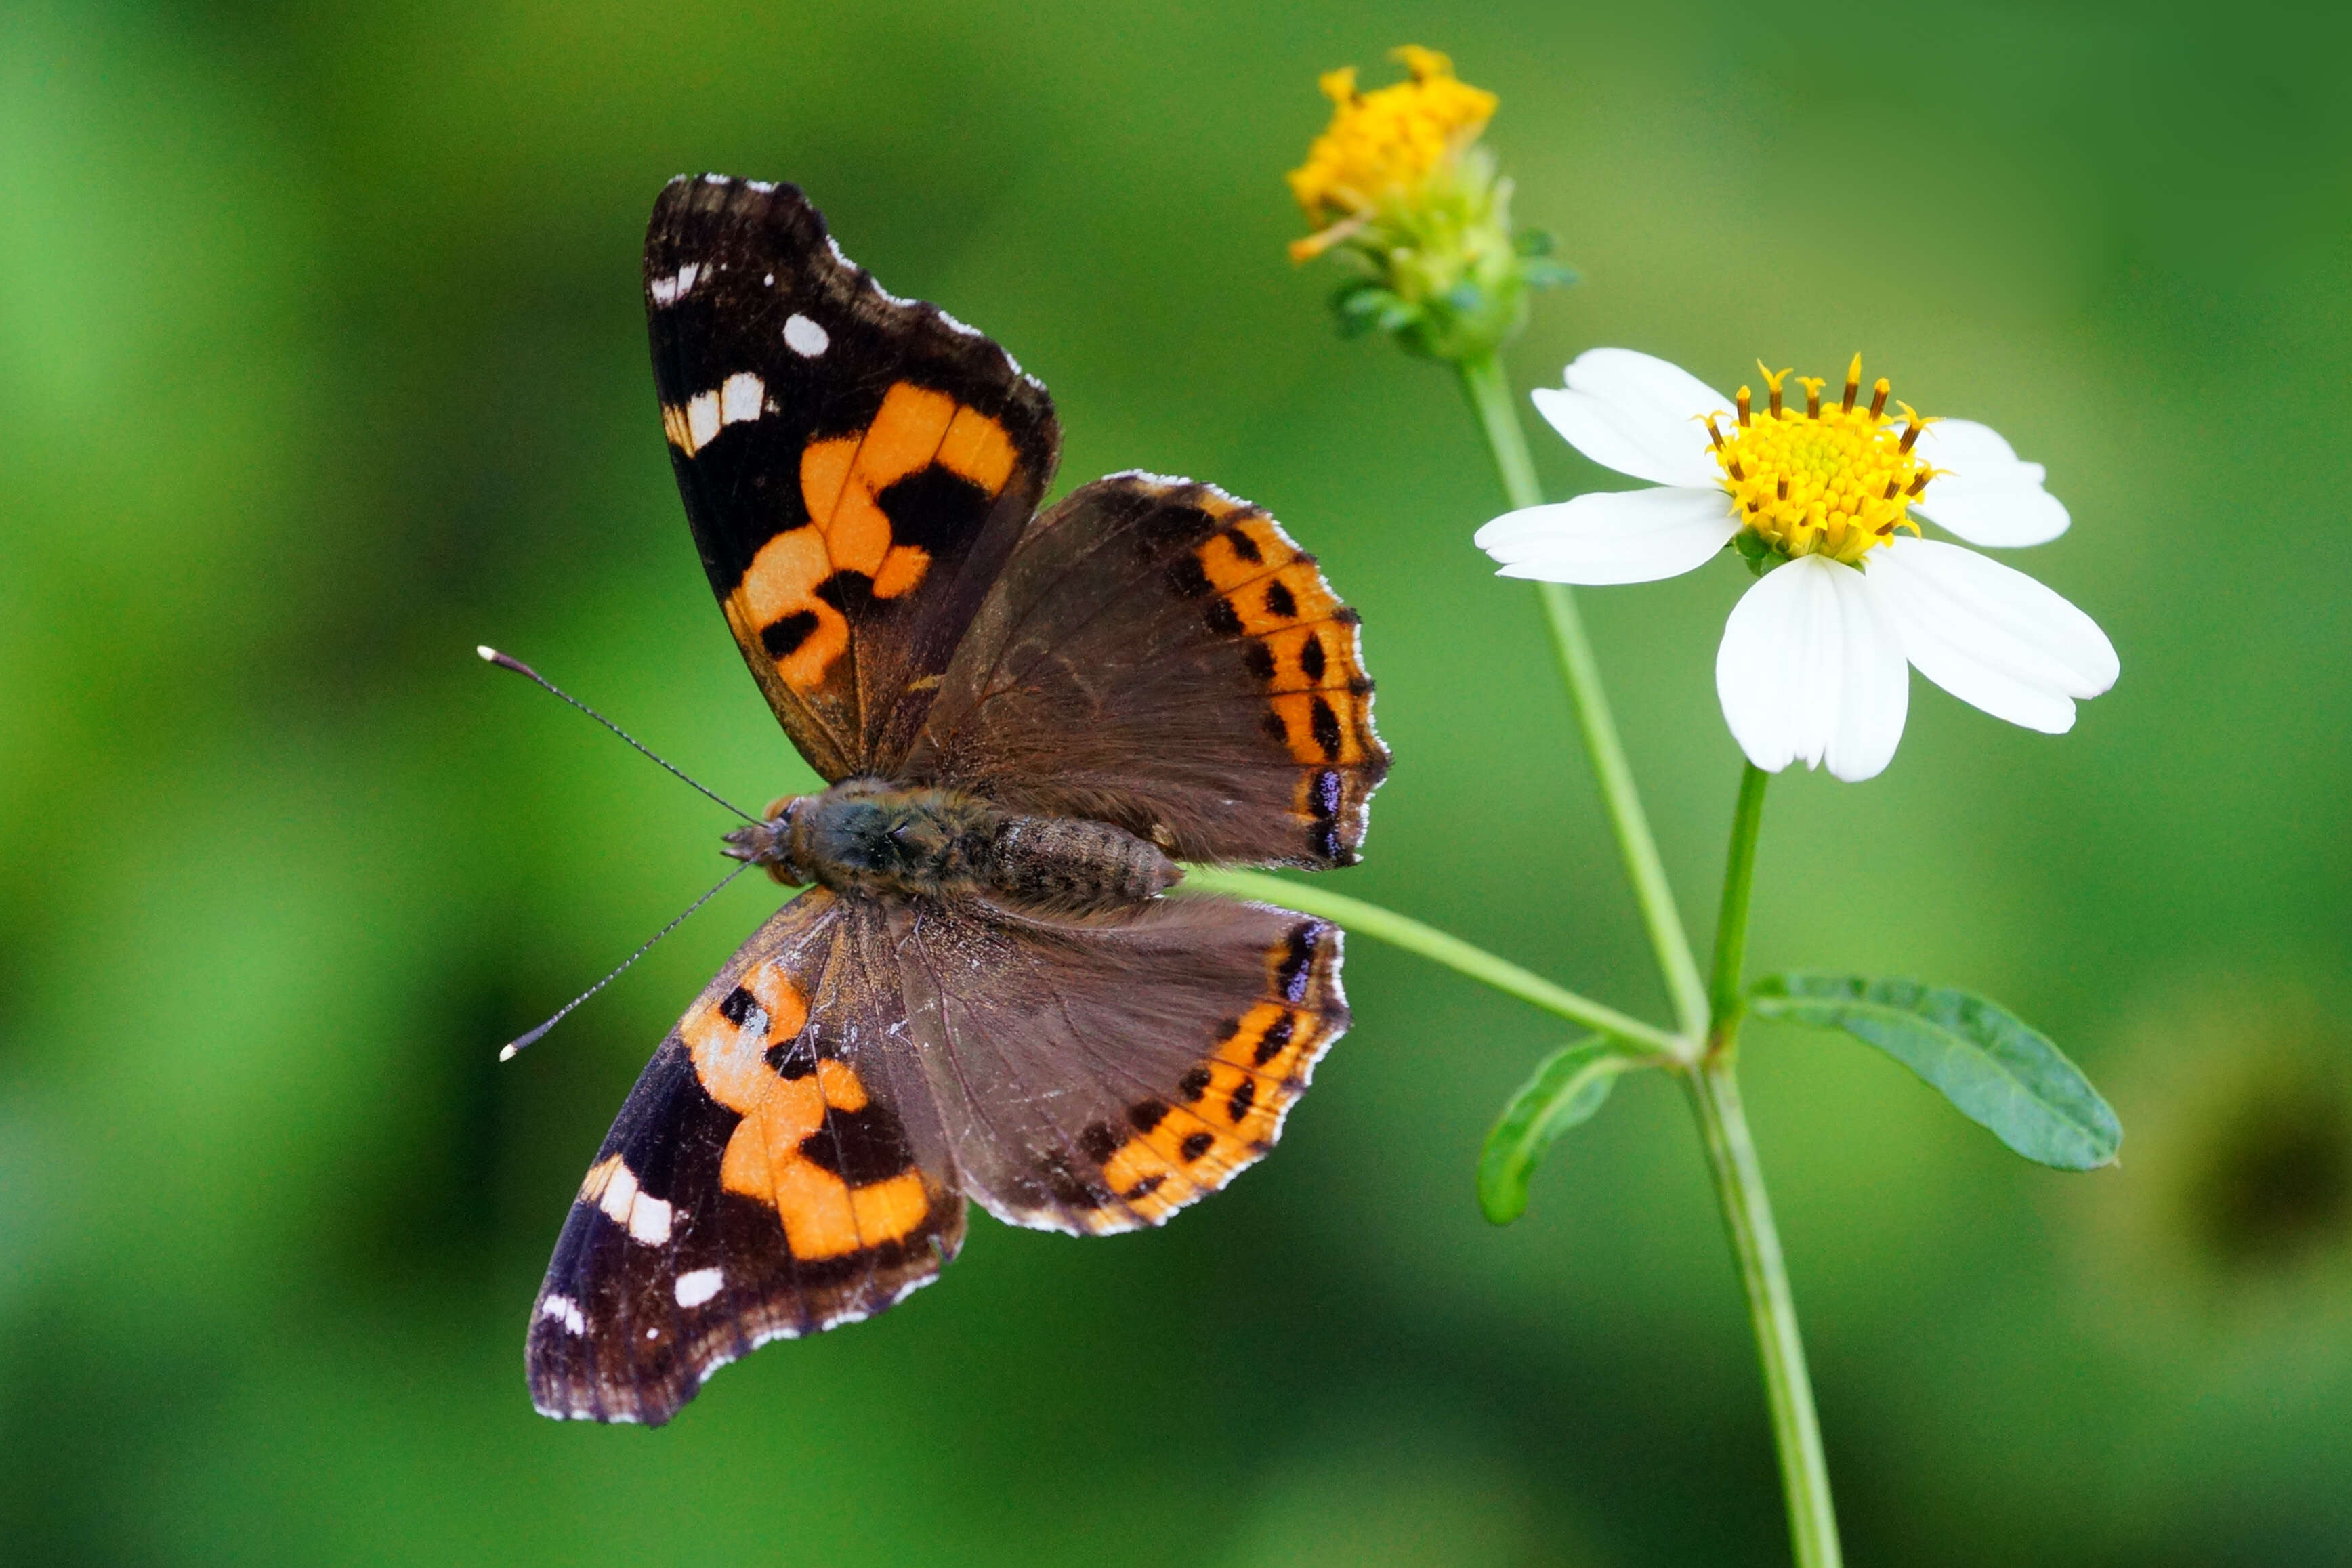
(322,360)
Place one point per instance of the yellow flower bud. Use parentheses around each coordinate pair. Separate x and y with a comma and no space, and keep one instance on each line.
(1400,190)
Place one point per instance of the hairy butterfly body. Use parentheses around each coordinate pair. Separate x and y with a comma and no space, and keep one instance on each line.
(1025,719)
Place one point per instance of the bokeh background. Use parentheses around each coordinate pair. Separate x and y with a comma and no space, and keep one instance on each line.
(322,360)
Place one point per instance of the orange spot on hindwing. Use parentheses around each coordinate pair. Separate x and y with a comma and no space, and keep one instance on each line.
(1223,1115)
(1319,727)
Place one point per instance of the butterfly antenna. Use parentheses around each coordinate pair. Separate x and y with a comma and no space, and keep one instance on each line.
(506,662)
(514,1047)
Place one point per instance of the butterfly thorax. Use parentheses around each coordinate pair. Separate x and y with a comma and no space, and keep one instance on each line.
(867,835)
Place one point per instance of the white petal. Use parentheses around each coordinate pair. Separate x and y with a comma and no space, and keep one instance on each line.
(1986,496)
(1631,536)
(1812,670)
(1992,636)
(1635,413)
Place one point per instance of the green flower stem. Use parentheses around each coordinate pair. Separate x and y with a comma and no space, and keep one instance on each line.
(1747,1211)
(1484,385)
(1402,931)
(1725,1006)
(1747,1214)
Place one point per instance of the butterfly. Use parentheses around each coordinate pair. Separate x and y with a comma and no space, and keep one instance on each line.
(1024,719)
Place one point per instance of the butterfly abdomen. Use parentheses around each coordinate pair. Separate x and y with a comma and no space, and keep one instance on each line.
(863,835)
(1068,863)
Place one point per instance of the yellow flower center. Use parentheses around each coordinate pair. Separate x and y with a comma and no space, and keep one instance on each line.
(1830,481)
(1384,144)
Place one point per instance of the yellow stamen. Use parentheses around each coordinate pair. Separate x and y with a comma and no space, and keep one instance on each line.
(1913,424)
(1836,483)
(1878,396)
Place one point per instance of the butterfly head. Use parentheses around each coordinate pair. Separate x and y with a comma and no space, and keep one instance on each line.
(771,843)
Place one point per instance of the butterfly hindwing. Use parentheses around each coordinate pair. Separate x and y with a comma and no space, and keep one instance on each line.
(855,467)
(770,1176)
(1159,655)
(1098,1075)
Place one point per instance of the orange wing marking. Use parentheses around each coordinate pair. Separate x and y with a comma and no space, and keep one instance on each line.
(776,606)
(822,1216)
(1227,1111)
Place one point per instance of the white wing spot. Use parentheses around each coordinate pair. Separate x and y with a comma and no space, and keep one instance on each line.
(702,420)
(805,337)
(649,1220)
(714,178)
(643,1216)
(564,1310)
(618,1191)
(769,281)
(763,186)
(698,1287)
(677,286)
(740,396)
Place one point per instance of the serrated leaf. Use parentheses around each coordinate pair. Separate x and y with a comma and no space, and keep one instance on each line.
(2000,1072)
(1567,1087)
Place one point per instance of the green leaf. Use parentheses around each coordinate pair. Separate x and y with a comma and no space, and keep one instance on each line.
(2001,1073)
(1567,1087)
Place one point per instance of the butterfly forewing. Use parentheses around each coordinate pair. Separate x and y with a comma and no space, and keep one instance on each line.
(766,1178)
(855,467)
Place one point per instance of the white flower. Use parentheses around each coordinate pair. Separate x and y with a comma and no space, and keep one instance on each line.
(1813,665)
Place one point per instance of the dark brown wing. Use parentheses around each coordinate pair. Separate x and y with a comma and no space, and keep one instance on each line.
(1100,1076)
(780,1168)
(855,467)
(1159,655)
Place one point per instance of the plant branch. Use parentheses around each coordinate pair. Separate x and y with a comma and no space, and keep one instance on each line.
(1438,947)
